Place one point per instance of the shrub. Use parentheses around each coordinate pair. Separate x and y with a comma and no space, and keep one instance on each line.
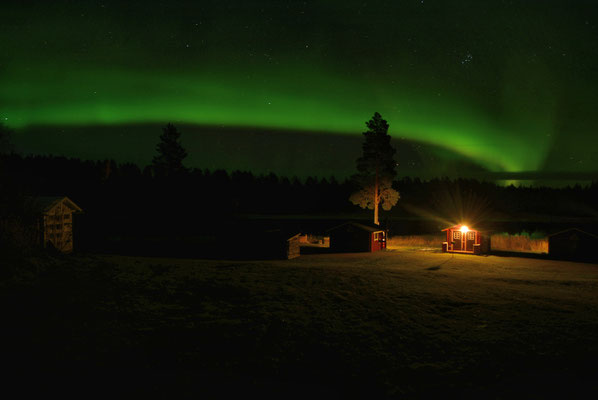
(17,237)
(523,242)
(417,241)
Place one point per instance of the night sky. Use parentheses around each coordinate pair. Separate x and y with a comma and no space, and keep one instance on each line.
(509,86)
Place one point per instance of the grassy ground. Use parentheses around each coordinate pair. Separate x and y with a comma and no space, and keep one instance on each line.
(397,324)
(415,242)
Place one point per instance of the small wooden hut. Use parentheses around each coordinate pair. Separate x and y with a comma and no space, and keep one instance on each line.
(573,244)
(56,222)
(355,237)
(462,239)
(287,245)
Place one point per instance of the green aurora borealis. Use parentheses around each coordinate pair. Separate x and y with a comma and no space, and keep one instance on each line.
(511,85)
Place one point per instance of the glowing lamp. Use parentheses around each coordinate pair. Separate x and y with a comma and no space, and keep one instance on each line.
(464,229)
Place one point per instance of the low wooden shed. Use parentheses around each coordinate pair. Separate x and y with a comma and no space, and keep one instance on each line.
(573,244)
(55,221)
(355,237)
(462,239)
(287,245)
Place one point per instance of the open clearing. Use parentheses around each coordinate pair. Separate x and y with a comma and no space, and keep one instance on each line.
(400,324)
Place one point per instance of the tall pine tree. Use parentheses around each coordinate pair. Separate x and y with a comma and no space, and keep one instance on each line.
(376,169)
(171,153)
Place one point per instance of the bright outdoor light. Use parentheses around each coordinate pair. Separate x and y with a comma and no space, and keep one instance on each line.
(464,229)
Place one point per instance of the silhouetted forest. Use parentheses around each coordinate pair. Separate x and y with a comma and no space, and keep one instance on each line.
(125,200)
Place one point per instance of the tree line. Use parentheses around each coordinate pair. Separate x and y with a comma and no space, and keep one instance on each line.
(98,184)
(167,198)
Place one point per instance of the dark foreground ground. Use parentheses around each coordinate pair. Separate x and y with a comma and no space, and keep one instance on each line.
(396,324)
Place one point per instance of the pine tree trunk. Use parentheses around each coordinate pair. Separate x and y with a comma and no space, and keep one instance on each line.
(376,199)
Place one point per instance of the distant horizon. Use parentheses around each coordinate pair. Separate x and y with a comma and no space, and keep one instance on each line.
(207,146)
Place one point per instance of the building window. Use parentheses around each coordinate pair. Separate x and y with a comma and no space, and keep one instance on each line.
(456,235)
(470,235)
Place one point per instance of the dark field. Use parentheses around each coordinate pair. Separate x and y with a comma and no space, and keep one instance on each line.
(398,324)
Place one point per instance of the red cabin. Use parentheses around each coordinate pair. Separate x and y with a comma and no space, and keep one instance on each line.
(355,237)
(462,239)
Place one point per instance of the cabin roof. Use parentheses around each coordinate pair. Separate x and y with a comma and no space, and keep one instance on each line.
(46,203)
(357,225)
(574,229)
